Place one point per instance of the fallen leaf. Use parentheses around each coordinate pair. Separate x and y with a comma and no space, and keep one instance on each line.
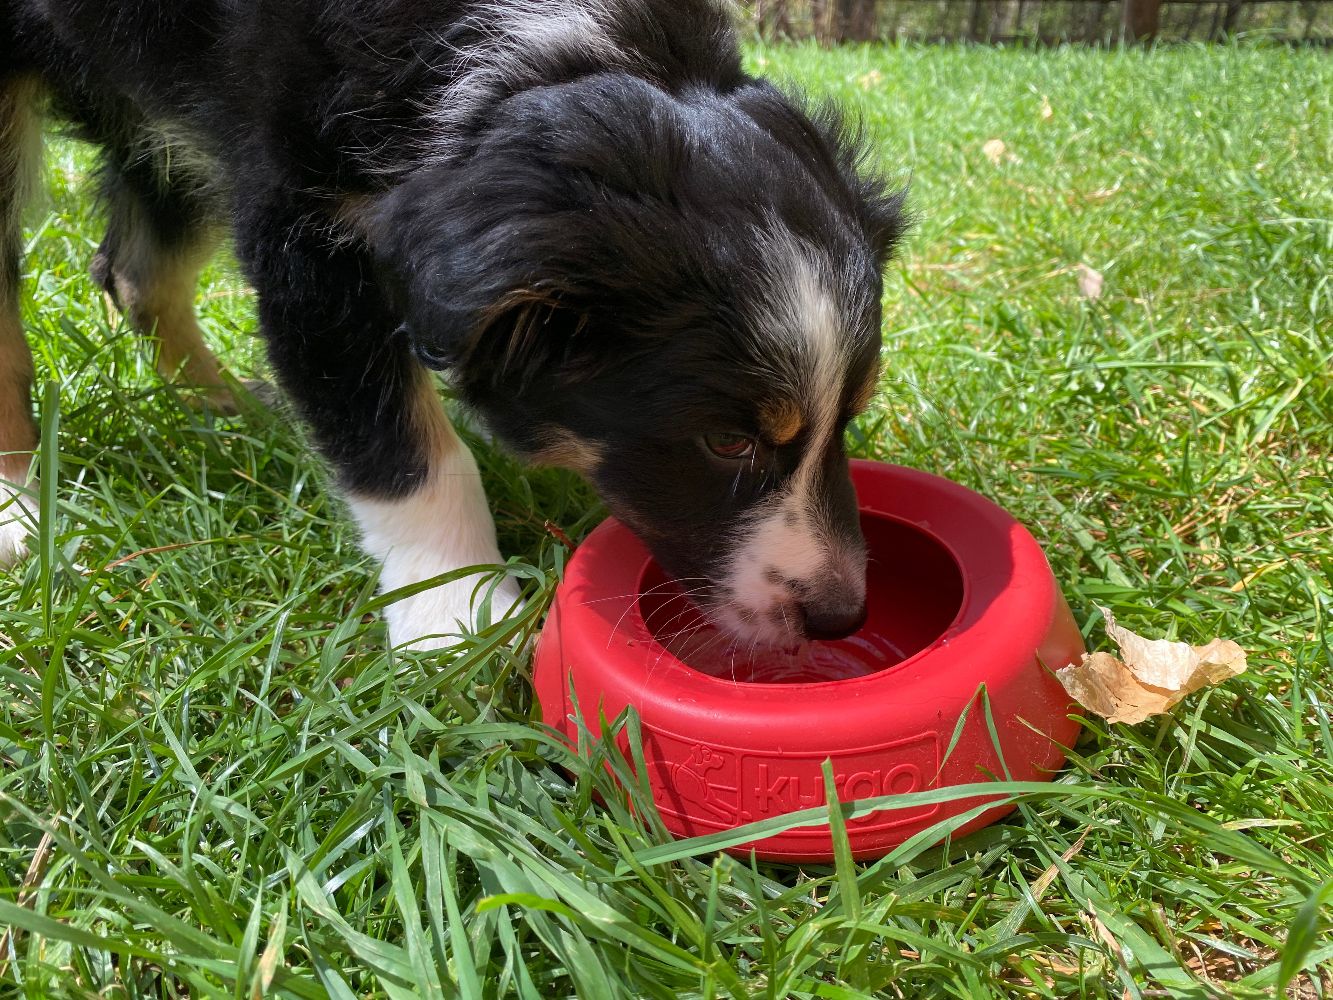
(272,956)
(1150,675)
(995,150)
(1104,933)
(1047,112)
(1089,282)
(868,80)
(41,858)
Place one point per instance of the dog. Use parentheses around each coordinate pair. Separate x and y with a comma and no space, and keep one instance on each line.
(630,257)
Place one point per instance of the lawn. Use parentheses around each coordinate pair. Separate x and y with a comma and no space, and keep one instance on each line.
(215,780)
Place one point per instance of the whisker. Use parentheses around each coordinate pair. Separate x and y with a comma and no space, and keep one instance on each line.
(651,590)
(685,594)
(680,650)
(702,622)
(702,619)
(683,613)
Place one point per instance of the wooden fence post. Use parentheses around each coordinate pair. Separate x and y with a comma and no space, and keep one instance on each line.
(1141,19)
(865,24)
(974,21)
(835,21)
(1232,16)
(774,19)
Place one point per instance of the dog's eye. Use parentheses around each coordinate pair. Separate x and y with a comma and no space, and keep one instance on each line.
(730,445)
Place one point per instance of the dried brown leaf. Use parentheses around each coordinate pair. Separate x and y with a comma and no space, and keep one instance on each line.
(1090,282)
(996,151)
(1149,676)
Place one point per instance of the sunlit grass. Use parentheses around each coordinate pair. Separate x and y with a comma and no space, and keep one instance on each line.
(214,780)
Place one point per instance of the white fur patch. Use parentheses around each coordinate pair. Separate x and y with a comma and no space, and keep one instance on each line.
(18,510)
(20,160)
(18,437)
(805,315)
(787,543)
(176,157)
(806,318)
(520,41)
(773,545)
(445,525)
(20,152)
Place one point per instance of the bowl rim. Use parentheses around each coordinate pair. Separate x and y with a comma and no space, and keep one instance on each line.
(646,636)
(638,657)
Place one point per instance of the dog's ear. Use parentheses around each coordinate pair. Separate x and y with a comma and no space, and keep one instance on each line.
(834,148)
(483,264)
(526,244)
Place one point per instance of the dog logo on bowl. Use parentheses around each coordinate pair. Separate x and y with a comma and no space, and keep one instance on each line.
(689,780)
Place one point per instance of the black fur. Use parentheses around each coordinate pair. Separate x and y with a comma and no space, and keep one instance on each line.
(574,240)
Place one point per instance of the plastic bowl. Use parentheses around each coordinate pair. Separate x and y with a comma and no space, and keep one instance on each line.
(960,596)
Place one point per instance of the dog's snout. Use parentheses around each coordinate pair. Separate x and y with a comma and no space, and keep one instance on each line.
(833,622)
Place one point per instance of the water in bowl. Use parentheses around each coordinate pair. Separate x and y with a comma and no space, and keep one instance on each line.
(914,592)
(708,651)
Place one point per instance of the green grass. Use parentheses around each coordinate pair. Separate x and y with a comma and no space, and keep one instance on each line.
(215,781)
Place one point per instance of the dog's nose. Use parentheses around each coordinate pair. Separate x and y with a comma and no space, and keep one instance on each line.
(833,622)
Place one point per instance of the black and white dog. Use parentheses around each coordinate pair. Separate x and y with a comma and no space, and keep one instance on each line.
(632,259)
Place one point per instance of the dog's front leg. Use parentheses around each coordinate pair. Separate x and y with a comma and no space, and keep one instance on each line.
(412,485)
(442,524)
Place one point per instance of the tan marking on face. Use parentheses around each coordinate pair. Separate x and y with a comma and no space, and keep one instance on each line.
(781,422)
(569,451)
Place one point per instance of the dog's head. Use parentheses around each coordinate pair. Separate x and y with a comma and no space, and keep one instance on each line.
(679,296)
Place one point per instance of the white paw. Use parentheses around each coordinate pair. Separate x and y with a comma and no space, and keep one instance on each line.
(18,521)
(436,618)
(443,525)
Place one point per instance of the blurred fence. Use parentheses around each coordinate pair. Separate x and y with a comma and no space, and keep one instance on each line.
(1043,21)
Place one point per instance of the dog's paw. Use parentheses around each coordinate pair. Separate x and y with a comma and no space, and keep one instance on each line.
(263,392)
(226,396)
(18,520)
(211,399)
(231,399)
(436,618)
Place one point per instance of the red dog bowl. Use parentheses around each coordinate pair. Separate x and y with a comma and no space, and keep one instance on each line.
(959,596)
